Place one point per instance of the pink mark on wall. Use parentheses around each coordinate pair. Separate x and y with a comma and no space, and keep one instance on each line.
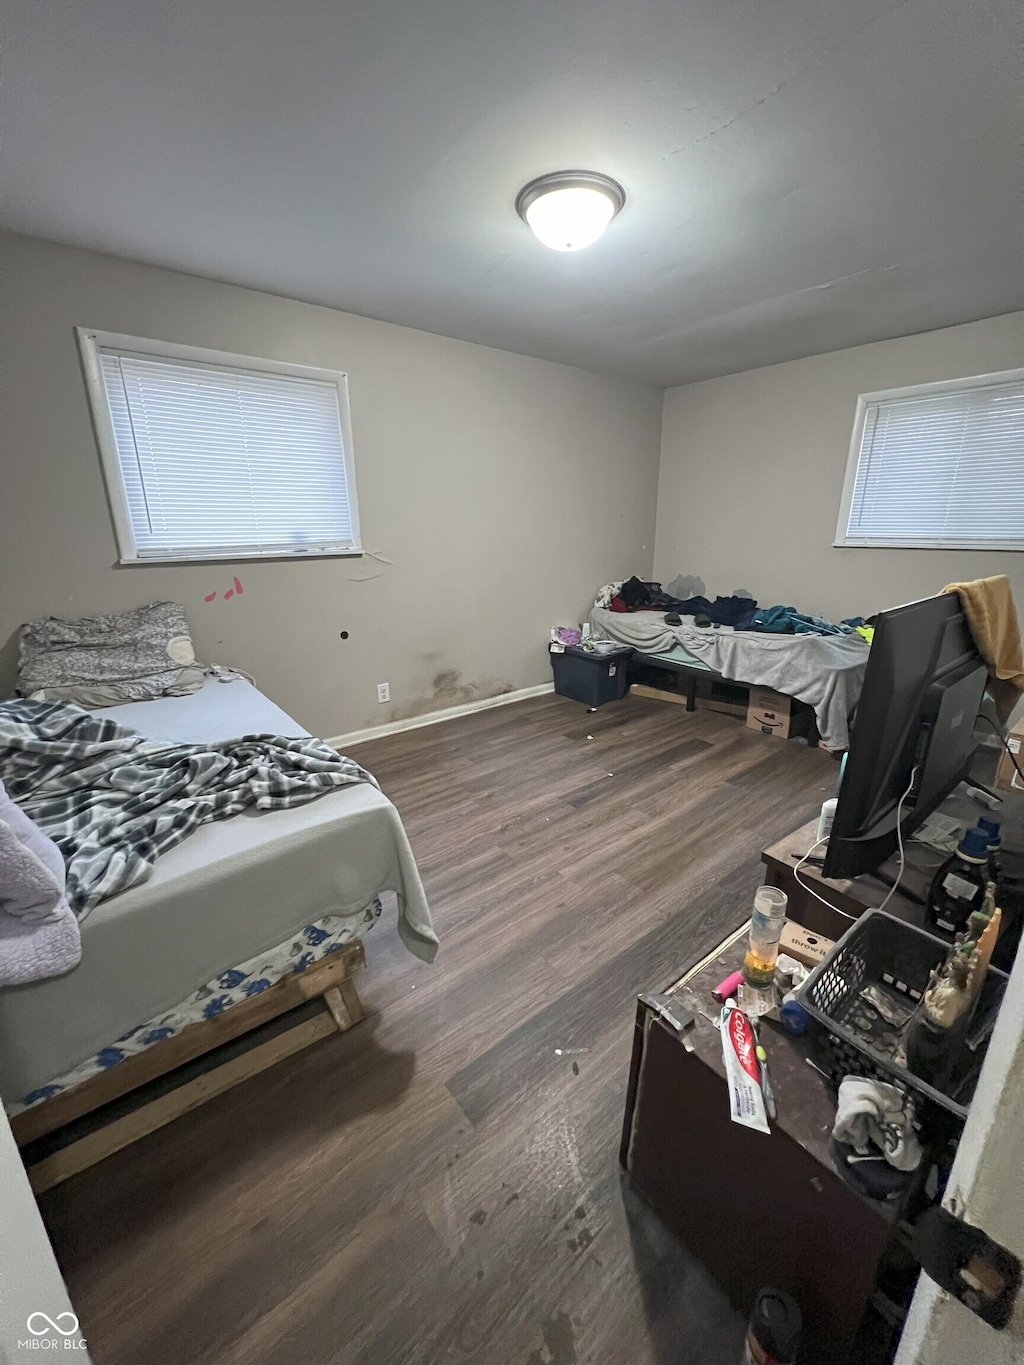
(236,589)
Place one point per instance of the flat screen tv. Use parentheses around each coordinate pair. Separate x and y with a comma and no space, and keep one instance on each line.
(922,692)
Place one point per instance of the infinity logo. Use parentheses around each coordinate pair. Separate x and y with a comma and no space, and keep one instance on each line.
(61,1317)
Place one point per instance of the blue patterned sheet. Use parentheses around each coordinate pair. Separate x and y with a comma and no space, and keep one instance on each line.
(311,944)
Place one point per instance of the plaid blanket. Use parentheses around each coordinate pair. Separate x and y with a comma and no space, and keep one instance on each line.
(113,801)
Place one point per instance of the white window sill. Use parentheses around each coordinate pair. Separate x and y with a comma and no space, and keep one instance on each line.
(238,557)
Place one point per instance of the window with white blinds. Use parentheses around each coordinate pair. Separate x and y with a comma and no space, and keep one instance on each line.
(939,466)
(212,456)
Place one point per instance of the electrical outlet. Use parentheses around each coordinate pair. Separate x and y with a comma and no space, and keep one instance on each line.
(383,692)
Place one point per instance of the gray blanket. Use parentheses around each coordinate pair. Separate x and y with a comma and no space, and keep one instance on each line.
(826,671)
(112,801)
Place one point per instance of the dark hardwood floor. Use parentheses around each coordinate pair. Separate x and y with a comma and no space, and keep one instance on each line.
(439,1184)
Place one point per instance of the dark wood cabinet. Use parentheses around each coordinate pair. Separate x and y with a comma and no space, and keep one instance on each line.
(756,1209)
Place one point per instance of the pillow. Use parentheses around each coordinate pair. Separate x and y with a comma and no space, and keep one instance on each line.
(103,660)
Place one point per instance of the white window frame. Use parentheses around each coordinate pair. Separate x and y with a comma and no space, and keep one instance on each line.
(864,400)
(91,341)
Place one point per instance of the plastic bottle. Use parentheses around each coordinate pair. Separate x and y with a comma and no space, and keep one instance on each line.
(795,1018)
(995,866)
(959,885)
(826,818)
(757,994)
(774,1330)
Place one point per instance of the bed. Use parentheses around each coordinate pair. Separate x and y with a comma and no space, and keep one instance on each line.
(826,671)
(226,915)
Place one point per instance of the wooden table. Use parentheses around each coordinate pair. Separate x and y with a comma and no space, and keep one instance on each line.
(851,897)
(757,1209)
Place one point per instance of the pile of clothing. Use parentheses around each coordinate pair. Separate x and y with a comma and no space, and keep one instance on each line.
(789,621)
(875,1143)
(634,594)
(739,610)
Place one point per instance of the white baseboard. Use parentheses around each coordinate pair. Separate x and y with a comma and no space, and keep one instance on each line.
(395,727)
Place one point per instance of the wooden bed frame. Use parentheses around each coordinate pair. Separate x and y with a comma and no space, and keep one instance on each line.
(79,1127)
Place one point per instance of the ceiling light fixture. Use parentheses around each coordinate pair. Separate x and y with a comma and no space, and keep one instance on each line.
(569,210)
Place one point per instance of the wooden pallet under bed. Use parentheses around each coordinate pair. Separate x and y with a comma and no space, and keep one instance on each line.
(79,1127)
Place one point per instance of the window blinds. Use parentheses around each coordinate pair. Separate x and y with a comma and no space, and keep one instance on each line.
(218,461)
(942,470)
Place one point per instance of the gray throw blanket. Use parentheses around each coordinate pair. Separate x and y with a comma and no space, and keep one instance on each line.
(112,801)
(826,671)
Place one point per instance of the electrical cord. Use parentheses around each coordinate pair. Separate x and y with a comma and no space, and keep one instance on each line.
(226,674)
(1005,743)
(899,875)
(810,889)
(899,838)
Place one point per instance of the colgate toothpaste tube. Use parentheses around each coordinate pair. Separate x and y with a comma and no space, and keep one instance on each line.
(742,1070)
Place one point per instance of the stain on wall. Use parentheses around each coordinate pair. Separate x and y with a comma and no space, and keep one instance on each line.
(448,689)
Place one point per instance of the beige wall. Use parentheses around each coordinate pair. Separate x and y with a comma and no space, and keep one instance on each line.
(752,470)
(505,490)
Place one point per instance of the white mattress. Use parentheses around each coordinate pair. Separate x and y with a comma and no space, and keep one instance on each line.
(233,889)
(219,710)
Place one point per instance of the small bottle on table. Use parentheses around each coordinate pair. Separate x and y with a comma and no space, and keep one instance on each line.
(757,993)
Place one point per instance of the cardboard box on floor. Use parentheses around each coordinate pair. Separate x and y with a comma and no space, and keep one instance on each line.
(770,712)
(1007,776)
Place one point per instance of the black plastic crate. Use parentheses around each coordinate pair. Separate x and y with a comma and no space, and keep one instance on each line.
(879,949)
(590,677)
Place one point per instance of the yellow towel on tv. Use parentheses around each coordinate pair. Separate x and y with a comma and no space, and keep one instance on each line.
(992,616)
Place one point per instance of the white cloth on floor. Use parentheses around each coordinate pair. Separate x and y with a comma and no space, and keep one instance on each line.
(873,1116)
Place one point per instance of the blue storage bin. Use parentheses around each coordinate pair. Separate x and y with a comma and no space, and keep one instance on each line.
(589,677)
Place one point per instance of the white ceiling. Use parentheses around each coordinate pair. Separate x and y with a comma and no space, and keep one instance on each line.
(801,175)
